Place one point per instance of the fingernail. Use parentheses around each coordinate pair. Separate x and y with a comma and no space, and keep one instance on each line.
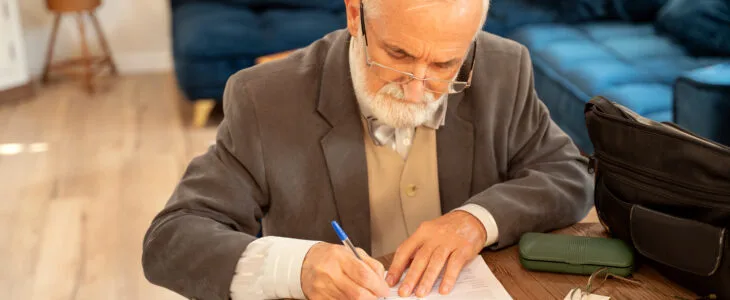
(421,292)
(405,290)
(445,289)
(389,280)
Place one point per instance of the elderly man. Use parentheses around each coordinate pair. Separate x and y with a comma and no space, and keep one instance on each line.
(418,132)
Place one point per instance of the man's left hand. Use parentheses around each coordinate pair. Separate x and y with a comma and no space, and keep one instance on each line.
(452,240)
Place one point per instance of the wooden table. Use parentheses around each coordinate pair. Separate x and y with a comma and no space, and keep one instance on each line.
(524,284)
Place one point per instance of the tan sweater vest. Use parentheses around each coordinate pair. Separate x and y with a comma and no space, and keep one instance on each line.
(403,193)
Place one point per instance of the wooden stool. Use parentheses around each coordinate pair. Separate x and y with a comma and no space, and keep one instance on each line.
(92,64)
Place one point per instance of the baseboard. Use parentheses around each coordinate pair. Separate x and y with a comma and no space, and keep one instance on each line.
(143,62)
(129,63)
(17,93)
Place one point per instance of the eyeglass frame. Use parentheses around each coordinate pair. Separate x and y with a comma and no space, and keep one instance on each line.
(411,76)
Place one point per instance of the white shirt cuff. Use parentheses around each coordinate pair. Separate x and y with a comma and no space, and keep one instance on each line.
(270,268)
(484,216)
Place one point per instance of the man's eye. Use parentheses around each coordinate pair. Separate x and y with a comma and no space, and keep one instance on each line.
(445,65)
(397,54)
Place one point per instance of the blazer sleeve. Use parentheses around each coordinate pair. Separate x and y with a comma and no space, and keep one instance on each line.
(193,245)
(547,184)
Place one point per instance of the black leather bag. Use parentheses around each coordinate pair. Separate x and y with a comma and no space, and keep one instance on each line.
(666,192)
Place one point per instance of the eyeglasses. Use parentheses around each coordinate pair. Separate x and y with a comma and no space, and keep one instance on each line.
(434,84)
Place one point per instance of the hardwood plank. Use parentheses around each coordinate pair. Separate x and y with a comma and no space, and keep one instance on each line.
(116,155)
(25,190)
(61,258)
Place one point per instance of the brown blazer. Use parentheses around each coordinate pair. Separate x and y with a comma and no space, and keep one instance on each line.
(290,150)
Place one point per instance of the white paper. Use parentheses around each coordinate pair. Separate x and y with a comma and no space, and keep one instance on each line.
(476,281)
(580,295)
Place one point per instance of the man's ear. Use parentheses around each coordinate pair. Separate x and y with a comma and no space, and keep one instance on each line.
(353,16)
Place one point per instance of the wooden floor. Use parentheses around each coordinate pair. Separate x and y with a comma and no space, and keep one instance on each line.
(82,177)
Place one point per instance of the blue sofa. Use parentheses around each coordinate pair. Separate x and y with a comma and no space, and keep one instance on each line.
(653,62)
(649,55)
(212,39)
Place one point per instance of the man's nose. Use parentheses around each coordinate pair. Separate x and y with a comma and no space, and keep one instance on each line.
(415,89)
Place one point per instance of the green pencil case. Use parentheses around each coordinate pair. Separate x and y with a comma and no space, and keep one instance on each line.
(559,253)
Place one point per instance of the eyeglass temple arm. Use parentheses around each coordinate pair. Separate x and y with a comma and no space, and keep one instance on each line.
(362,22)
(473,59)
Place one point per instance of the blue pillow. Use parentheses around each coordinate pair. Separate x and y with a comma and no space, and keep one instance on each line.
(332,5)
(575,11)
(701,26)
(316,4)
(636,10)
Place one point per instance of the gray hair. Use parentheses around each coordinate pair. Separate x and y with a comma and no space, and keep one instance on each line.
(373,9)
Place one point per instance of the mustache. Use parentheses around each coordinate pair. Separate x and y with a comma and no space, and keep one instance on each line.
(396,91)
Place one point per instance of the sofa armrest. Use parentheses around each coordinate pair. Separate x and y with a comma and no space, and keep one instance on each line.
(702,102)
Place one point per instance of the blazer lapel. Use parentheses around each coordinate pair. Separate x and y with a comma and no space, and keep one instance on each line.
(455,151)
(343,146)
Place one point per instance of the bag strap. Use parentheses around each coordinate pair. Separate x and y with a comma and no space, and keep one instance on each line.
(608,107)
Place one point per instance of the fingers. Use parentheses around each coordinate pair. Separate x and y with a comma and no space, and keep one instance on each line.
(332,291)
(333,272)
(325,288)
(413,276)
(455,263)
(362,275)
(372,263)
(402,259)
(350,290)
(435,265)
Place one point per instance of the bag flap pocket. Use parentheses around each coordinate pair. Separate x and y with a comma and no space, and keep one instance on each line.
(684,244)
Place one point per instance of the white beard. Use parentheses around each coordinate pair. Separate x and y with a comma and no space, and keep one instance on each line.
(387,105)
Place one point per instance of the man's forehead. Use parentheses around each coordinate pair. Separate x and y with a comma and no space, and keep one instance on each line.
(462,8)
(415,5)
(445,25)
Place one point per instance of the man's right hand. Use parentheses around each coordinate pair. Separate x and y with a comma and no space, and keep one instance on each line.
(333,272)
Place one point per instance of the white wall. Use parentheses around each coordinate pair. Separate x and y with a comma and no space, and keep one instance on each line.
(138,32)
(13,69)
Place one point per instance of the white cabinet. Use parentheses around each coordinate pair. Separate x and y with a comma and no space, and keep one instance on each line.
(13,66)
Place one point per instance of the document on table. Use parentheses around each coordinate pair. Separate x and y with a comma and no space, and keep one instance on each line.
(476,281)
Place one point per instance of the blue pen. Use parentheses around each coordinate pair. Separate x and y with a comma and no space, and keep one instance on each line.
(343,237)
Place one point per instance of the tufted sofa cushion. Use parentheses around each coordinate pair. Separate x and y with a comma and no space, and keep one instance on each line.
(214,39)
(703,27)
(336,5)
(636,10)
(215,29)
(702,102)
(507,15)
(627,63)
